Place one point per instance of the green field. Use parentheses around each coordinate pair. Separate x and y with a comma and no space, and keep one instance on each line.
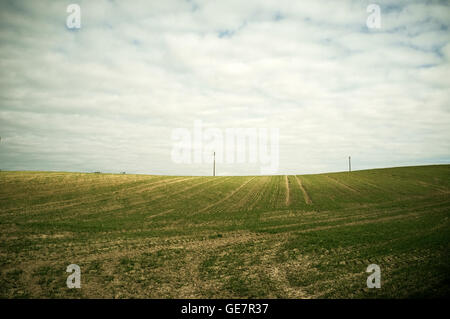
(305,236)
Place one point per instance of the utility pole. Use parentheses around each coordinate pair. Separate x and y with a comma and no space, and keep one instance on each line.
(349,164)
(214,165)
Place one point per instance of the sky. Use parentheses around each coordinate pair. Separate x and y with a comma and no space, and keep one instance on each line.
(110,95)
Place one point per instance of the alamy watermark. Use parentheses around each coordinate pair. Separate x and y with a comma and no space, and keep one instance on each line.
(73,20)
(374,280)
(73,280)
(374,19)
(230,145)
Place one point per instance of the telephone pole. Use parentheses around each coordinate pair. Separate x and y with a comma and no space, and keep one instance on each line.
(214,165)
(349,164)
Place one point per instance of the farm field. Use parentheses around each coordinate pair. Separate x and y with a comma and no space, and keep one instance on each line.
(304,236)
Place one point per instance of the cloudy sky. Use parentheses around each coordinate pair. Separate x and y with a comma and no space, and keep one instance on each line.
(108,96)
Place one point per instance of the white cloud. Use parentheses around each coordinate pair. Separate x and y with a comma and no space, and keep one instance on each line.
(107,97)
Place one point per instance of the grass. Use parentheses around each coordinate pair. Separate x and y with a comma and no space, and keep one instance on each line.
(306,236)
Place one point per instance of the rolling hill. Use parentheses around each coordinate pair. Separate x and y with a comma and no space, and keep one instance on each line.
(304,236)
